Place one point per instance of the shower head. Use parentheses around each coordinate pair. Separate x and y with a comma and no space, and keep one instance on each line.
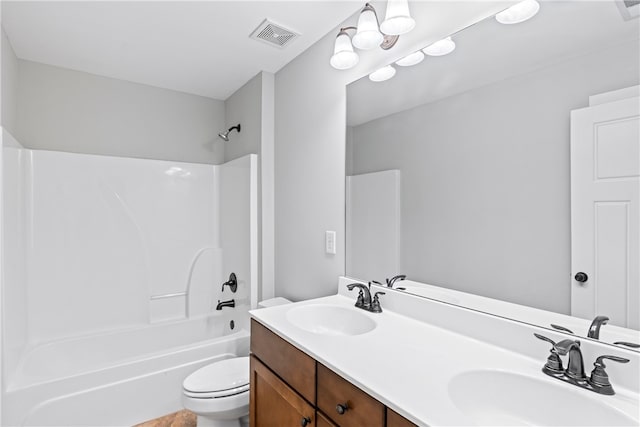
(225,135)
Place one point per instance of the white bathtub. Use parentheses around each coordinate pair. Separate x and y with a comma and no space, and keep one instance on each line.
(118,378)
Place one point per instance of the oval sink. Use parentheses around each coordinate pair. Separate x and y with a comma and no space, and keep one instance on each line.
(330,320)
(501,398)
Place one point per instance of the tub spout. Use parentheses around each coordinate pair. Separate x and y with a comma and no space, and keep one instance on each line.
(221,304)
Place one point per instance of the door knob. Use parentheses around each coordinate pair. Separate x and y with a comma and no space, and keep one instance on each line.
(581,277)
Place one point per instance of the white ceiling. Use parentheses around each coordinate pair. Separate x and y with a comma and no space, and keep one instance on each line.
(200,47)
(489,52)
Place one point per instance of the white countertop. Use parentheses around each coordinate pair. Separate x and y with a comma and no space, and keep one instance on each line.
(407,364)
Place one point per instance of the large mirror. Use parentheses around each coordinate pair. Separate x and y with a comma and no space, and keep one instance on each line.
(459,168)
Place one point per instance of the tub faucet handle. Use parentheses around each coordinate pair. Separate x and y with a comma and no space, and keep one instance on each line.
(232,283)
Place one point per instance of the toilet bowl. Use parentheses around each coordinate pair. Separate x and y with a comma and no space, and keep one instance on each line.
(219,393)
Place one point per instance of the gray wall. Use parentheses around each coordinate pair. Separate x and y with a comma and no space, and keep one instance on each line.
(9,84)
(486,180)
(310,126)
(252,107)
(84,113)
(244,107)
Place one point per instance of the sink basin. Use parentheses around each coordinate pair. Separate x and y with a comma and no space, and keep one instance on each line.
(330,320)
(501,398)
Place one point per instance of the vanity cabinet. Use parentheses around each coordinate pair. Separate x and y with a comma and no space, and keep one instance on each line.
(274,403)
(396,420)
(345,403)
(284,381)
(322,421)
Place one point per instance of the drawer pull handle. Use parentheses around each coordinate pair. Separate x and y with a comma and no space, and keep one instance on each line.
(305,421)
(341,408)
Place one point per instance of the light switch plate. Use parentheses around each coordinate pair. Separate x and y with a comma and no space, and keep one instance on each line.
(330,242)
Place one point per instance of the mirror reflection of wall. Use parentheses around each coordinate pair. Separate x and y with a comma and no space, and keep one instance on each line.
(481,140)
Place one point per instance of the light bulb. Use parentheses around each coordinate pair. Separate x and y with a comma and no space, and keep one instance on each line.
(343,55)
(368,34)
(441,47)
(397,20)
(382,74)
(519,12)
(411,59)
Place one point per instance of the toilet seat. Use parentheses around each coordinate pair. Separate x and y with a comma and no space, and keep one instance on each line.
(225,378)
(216,394)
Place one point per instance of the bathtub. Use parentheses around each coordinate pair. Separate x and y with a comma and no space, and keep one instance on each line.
(119,378)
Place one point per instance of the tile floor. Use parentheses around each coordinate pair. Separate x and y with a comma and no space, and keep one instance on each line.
(183,418)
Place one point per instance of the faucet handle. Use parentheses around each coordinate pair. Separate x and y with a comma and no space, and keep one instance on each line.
(360,300)
(562,328)
(599,377)
(232,283)
(375,304)
(543,338)
(628,344)
(391,281)
(600,360)
(554,363)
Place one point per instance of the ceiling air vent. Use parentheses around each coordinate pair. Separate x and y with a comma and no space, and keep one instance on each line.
(273,34)
(629,8)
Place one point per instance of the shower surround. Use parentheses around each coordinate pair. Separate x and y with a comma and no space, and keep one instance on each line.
(112,271)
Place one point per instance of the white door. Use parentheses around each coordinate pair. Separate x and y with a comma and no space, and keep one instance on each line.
(605,212)
(373,225)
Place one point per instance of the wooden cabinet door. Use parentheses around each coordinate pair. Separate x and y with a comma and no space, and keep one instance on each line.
(275,404)
(323,421)
(296,368)
(396,420)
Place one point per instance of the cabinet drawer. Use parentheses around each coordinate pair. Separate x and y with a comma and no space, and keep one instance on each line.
(361,409)
(396,420)
(292,365)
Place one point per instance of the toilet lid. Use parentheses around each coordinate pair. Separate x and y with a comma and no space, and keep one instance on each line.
(223,378)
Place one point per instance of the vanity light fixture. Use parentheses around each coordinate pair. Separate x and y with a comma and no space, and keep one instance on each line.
(369,34)
(411,59)
(398,20)
(382,74)
(343,55)
(441,47)
(519,12)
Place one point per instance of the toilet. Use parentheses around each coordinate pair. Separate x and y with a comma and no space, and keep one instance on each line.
(219,393)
